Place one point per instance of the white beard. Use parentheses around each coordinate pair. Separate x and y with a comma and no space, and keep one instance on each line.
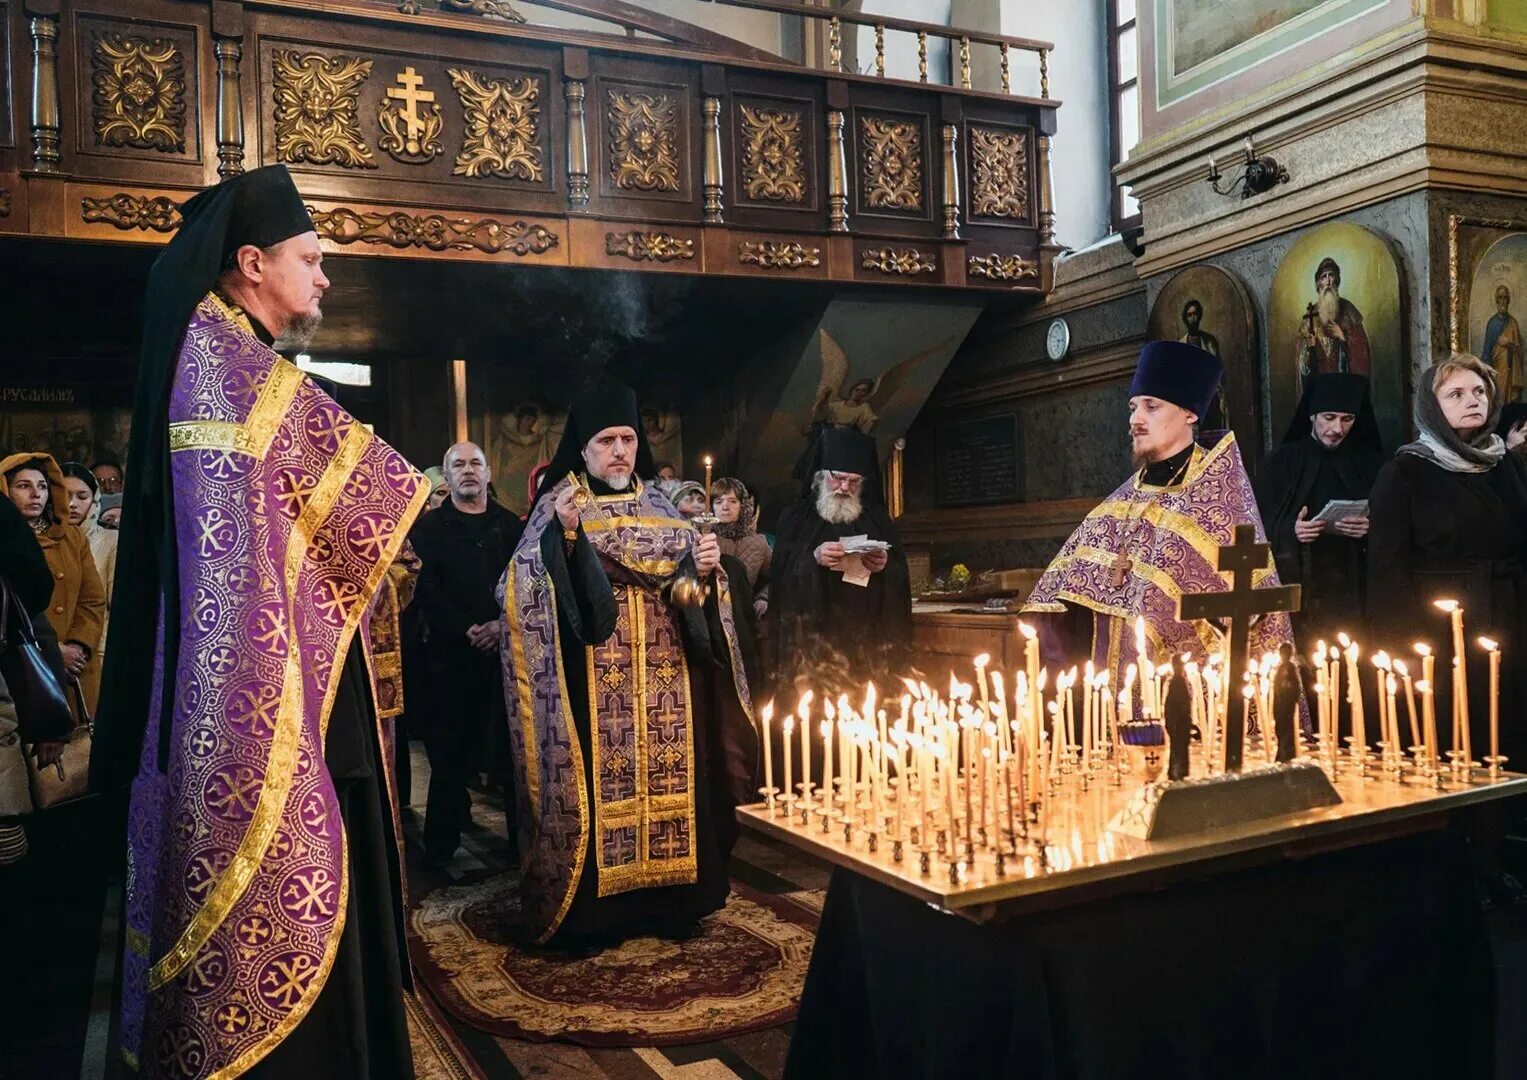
(1328,304)
(838,509)
(614,483)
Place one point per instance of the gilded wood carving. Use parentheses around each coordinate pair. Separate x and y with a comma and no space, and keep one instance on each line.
(1002,267)
(127,212)
(317,109)
(410,119)
(140,92)
(776,255)
(999,173)
(501,117)
(891,162)
(434,232)
(901,262)
(773,154)
(644,138)
(648,246)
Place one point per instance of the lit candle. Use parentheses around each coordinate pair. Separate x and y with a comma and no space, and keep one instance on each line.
(1322,719)
(1147,706)
(827,759)
(1429,712)
(1355,701)
(789,731)
(1410,702)
(1494,650)
(708,502)
(1460,677)
(766,715)
(1381,666)
(1429,718)
(804,711)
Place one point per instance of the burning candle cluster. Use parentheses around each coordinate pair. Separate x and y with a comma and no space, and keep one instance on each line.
(977,772)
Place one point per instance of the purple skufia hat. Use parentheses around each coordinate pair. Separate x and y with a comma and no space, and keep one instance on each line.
(1185,375)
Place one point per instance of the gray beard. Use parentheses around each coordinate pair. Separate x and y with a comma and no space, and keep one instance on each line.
(1328,304)
(838,509)
(615,483)
(299,332)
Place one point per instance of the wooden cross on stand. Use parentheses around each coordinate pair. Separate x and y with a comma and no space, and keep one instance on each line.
(1240,605)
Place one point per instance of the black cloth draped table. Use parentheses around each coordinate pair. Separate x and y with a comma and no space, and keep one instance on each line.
(1370,961)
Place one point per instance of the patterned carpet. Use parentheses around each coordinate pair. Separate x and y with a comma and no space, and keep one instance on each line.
(762,872)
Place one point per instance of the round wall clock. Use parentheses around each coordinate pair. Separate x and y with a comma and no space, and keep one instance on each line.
(1058,339)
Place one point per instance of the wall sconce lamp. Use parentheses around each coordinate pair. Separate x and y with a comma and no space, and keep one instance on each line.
(1255,176)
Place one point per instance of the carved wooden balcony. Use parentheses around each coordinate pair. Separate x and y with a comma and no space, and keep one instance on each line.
(424,132)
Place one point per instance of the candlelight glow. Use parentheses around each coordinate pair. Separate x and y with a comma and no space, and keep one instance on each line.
(1422,649)
(982,660)
(1343,639)
(1026,630)
(768,710)
(1448,606)
(1488,645)
(1400,669)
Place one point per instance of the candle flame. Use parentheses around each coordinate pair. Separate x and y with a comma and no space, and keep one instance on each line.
(768,711)
(831,713)
(1422,649)
(1026,630)
(707,461)
(827,729)
(982,660)
(789,725)
(1399,666)
(1488,645)
(1044,677)
(1343,639)
(805,703)
(1381,660)
(1424,686)
(1247,691)
(1449,606)
(1390,684)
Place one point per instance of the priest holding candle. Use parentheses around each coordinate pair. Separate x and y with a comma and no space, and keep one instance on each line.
(1157,535)
(629,711)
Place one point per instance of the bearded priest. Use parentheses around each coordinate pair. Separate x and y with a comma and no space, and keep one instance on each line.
(629,713)
(1157,535)
(264,911)
(840,617)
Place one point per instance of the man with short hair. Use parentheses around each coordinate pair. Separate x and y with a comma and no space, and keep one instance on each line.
(1156,536)
(464,546)
(839,617)
(264,913)
(108,474)
(1330,453)
(628,702)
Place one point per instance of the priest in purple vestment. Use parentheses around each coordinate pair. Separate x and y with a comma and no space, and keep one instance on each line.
(629,713)
(1157,535)
(264,919)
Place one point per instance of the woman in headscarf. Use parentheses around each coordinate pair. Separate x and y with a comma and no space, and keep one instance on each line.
(736,527)
(439,490)
(1449,521)
(35,485)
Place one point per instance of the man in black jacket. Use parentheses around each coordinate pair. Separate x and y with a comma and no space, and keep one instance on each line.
(465,546)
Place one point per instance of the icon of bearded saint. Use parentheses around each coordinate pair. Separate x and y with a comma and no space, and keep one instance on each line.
(1331,334)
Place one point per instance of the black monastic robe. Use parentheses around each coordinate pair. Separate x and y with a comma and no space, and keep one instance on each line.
(1332,570)
(834,635)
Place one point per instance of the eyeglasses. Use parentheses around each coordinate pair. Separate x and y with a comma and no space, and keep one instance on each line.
(844,479)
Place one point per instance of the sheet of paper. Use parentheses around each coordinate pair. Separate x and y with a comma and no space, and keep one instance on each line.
(862,543)
(854,572)
(1341,509)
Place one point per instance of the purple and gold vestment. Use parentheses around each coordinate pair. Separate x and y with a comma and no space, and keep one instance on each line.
(1171,536)
(642,758)
(288,515)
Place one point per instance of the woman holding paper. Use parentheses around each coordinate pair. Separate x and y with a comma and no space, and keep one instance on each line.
(1449,521)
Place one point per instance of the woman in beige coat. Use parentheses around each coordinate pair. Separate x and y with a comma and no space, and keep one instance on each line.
(738,528)
(77,609)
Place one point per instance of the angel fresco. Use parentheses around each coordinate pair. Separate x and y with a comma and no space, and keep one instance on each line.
(860,403)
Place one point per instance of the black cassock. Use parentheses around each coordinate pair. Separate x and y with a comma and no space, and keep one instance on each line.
(1438,534)
(1332,570)
(724,750)
(833,634)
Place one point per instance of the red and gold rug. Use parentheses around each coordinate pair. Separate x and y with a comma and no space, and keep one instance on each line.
(438,1054)
(743,972)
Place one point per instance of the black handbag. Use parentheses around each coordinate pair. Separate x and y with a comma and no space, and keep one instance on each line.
(42,710)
